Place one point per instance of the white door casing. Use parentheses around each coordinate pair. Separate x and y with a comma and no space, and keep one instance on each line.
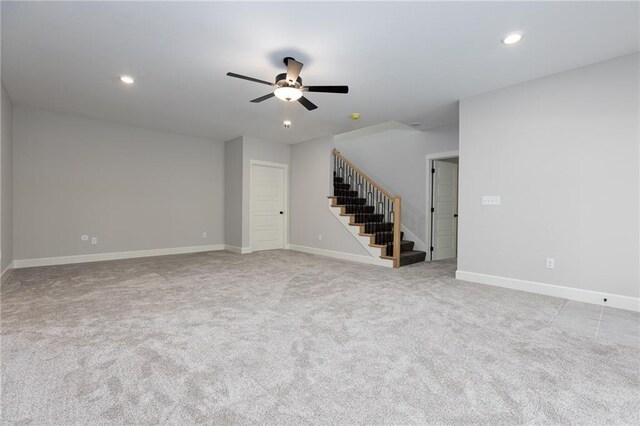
(445,208)
(268,204)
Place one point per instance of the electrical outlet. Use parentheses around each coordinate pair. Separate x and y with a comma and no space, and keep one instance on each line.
(204,235)
(94,240)
(320,237)
(551,263)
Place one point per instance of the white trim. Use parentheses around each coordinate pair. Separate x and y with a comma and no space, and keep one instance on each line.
(285,167)
(99,257)
(335,254)
(374,252)
(371,130)
(240,250)
(572,293)
(429,177)
(418,243)
(9,266)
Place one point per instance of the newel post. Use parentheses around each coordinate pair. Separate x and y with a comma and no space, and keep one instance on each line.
(396,231)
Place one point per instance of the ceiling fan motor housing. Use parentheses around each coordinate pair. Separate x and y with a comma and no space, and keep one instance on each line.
(281,81)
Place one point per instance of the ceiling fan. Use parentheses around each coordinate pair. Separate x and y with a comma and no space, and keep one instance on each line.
(288,86)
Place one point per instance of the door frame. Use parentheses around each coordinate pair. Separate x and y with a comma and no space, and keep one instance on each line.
(429,179)
(285,227)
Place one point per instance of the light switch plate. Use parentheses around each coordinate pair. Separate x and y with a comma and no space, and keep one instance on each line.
(490,200)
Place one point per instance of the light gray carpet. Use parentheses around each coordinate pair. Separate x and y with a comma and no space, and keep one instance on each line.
(288,338)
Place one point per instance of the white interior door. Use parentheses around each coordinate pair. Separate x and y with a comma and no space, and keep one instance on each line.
(267,207)
(444,230)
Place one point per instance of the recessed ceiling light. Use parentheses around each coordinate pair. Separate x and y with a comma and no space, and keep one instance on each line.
(512,38)
(287,124)
(355,116)
(126,79)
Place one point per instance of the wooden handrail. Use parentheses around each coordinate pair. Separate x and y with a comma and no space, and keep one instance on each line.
(361,173)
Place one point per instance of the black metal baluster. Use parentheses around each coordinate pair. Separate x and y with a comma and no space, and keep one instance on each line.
(391,213)
(375,206)
(386,207)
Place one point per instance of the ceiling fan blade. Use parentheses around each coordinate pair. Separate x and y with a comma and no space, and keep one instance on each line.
(263,98)
(307,103)
(244,77)
(327,89)
(293,70)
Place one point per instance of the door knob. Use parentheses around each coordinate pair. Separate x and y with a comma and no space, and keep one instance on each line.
(281,212)
(455,215)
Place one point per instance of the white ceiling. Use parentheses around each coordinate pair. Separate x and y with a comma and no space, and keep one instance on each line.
(402,61)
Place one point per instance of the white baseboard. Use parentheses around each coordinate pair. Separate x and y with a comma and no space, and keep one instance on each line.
(241,250)
(97,257)
(571,293)
(9,266)
(339,255)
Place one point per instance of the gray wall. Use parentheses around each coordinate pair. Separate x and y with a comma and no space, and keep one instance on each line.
(310,186)
(233,178)
(562,152)
(132,188)
(257,149)
(6,184)
(396,159)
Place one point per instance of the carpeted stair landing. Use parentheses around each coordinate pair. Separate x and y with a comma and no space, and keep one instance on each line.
(372,224)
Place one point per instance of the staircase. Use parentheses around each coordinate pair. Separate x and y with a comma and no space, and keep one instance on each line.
(373,210)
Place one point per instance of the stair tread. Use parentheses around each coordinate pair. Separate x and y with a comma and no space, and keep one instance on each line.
(405,246)
(409,257)
(414,256)
(411,253)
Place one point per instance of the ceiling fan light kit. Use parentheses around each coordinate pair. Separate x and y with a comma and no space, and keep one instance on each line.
(288,86)
(288,94)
